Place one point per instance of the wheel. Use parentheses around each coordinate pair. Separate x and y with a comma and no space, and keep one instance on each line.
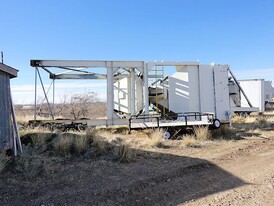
(216,123)
(166,135)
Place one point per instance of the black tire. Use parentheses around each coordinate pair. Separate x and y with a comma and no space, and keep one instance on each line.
(167,135)
(216,124)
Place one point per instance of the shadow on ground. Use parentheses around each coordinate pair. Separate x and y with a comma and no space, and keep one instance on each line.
(152,178)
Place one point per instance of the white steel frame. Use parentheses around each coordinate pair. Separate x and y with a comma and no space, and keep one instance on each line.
(112,66)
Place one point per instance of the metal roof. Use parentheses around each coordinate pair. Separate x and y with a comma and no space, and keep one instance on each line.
(9,70)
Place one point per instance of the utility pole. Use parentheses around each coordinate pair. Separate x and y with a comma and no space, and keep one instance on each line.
(2,57)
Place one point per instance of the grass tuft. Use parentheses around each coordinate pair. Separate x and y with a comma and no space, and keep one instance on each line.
(201,133)
(189,141)
(63,144)
(124,153)
(156,138)
(81,144)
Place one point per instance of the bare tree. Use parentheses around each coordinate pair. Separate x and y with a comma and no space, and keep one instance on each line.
(78,104)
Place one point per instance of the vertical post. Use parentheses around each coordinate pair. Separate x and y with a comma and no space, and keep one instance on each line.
(132,100)
(53,98)
(35,95)
(200,89)
(17,139)
(110,95)
(2,57)
(146,97)
(214,90)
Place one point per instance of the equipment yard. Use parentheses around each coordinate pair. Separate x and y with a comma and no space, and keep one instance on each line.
(228,167)
(137,103)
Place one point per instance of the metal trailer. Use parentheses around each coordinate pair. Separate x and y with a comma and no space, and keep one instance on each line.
(9,136)
(138,89)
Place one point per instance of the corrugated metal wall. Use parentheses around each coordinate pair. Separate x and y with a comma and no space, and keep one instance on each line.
(5,112)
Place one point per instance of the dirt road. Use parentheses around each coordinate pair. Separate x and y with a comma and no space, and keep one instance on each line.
(218,173)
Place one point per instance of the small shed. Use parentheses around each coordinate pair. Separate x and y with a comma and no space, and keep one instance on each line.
(6,108)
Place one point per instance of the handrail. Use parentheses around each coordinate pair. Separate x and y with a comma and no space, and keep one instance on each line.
(184,115)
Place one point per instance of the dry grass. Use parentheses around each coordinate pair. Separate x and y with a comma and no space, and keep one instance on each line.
(201,133)
(81,144)
(225,133)
(238,119)
(124,153)
(40,138)
(189,141)
(4,159)
(63,144)
(156,138)
(23,119)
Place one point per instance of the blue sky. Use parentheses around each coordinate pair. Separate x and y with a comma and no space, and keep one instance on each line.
(235,32)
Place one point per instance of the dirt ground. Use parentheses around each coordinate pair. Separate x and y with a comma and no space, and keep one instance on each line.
(235,172)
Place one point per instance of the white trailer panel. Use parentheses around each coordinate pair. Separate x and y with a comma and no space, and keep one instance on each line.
(222,100)
(254,90)
(268,91)
(202,88)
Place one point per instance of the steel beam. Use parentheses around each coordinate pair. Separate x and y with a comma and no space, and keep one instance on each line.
(239,86)
(103,63)
(45,93)
(78,76)
(35,91)
(85,63)
(132,100)
(145,90)
(110,95)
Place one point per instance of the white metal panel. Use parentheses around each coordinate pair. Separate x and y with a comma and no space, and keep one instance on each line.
(194,90)
(121,95)
(268,91)
(139,94)
(123,98)
(254,90)
(221,92)
(206,88)
(179,92)
(184,90)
